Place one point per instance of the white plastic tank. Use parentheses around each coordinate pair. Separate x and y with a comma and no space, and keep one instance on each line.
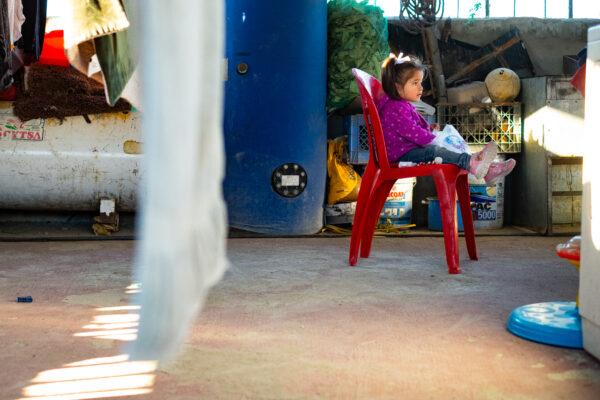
(48,164)
(589,279)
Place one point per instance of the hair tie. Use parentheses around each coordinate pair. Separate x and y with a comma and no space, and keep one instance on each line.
(400,58)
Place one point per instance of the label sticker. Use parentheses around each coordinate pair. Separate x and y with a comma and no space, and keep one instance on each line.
(12,128)
(484,203)
(290,180)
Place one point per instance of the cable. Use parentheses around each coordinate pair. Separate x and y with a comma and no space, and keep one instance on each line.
(419,14)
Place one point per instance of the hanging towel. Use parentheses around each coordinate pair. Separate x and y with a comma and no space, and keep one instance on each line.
(117,57)
(88,19)
(115,52)
(181,253)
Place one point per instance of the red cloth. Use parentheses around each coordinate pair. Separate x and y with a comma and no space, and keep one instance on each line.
(9,94)
(53,52)
(578,80)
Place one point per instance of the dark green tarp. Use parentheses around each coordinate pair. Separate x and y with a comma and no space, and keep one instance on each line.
(357,38)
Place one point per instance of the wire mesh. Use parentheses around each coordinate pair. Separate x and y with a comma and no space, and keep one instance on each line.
(481,123)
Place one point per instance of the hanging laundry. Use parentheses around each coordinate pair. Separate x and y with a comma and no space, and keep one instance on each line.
(34,28)
(117,57)
(183,221)
(6,77)
(106,24)
(88,19)
(16,18)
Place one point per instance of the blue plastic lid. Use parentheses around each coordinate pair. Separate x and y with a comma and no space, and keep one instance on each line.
(555,323)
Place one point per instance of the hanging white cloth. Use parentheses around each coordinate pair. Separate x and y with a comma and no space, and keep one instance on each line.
(15,19)
(181,253)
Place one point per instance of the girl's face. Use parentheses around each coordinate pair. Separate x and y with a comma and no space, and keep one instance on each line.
(413,88)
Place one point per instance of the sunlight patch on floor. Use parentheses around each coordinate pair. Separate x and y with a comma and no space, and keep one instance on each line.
(102,377)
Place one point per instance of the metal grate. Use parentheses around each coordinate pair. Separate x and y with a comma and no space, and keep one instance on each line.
(481,123)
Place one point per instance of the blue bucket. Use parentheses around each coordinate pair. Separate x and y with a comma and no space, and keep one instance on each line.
(434,217)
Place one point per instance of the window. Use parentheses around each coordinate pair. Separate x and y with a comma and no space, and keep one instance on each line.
(586,9)
(502,8)
(558,9)
(530,8)
(505,8)
(391,8)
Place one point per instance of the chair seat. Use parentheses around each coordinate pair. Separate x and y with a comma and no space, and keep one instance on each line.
(417,170)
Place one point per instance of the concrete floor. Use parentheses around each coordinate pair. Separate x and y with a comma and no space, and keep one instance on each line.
(291,320)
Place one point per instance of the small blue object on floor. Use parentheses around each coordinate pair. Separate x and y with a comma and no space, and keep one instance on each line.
(24,299)
(555,323)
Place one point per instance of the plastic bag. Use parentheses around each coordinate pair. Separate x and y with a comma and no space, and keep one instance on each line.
(344,182)
(450,139)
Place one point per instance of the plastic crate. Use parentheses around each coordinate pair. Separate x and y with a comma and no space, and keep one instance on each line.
(358,139)
(481,123)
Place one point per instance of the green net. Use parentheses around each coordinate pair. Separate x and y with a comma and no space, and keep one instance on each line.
(357,38)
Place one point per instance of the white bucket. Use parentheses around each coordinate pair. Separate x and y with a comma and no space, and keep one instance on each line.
(398,206)
(487,202)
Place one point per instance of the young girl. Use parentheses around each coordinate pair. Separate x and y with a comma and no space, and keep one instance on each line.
(408,136)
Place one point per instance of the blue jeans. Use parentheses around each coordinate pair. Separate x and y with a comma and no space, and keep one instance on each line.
(429,153)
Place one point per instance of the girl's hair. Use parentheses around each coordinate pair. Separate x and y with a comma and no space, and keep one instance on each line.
(399,70)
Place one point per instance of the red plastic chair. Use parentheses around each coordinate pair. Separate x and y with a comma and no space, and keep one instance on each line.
(379,177)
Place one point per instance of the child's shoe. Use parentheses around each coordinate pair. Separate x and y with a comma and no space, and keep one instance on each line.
(480,162)
(499,170)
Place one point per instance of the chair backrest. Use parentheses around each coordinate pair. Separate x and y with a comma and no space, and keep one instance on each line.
(370,92)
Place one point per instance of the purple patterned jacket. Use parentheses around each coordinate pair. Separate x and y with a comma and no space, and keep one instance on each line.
(403,127)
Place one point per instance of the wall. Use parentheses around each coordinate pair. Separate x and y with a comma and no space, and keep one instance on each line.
(546,40)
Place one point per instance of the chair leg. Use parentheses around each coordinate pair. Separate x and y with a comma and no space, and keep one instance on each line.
(446,191)
(378,198)
(364,195)
(464,199)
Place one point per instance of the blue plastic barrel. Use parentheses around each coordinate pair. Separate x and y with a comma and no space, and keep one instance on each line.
(275,118)
(434,215)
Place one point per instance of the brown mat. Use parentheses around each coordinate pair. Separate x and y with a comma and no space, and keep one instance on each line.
(60,92)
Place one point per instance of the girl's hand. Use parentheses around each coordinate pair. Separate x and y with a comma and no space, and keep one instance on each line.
(435,127)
